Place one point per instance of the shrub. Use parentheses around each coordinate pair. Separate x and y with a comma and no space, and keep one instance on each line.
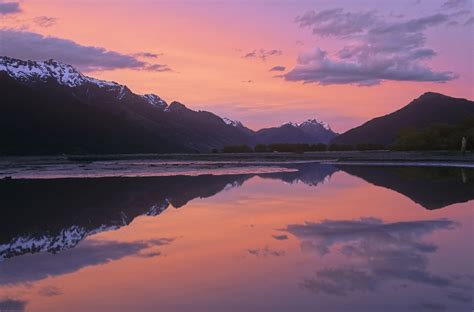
(369,147)
(237,149)
(340,147)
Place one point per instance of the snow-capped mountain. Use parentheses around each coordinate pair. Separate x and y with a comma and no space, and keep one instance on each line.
(310,131)
(65,111)
(313,122)
(309,123)
(64,74)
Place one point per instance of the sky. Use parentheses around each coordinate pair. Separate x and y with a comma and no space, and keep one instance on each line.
(261,62)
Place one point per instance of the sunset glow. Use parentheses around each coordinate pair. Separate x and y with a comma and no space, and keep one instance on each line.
(206,52)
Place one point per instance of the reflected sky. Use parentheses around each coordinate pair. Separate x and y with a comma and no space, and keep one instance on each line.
(323,238)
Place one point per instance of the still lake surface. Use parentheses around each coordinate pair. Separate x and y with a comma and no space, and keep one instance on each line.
(322,238)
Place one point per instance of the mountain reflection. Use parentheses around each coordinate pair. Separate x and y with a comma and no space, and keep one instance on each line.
(56,214)
(51,215)
(430,187)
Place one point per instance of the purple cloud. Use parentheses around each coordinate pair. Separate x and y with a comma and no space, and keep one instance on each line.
(157,68)
(9,8)
(33,46)
(380,49)
(452,4)
(45,21)
(262,54)
(278,68)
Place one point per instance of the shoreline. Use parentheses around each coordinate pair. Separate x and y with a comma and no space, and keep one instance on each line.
(326,156)
(142,165)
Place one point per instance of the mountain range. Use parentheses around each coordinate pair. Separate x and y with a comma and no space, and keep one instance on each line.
(51,108)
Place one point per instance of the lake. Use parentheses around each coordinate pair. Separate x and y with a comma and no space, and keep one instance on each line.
(308,237)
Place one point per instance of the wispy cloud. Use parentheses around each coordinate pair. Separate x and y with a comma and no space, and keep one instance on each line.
(452,4)
(278,68)
(49,291)
(266,252)
(45,21)
(262,54)
(147,55)
(157,67)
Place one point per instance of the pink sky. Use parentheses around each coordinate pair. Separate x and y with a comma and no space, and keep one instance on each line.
(204,42)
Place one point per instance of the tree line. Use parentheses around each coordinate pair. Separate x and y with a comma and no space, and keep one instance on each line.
(434,137)
(298,148)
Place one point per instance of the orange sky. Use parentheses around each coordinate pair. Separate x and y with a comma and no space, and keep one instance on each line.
(203,43)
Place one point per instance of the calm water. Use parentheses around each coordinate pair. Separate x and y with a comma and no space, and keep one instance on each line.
(324,238)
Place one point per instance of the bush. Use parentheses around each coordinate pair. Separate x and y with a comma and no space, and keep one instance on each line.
(261,148)
(369,147)
(340,147)
(436,137)
(290,148)
(320,147)
(237,149)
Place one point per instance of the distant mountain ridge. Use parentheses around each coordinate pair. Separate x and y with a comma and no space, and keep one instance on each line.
(51,108)
(428,109)
(310,131)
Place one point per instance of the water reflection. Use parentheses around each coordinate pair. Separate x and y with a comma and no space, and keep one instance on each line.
(52,215)
(90,252)
(320,240)
(379,253)
(56,214)
(431,187)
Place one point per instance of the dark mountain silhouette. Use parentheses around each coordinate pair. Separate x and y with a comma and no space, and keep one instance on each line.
(285,133)
(420,113)
(239,126)
(51,108)
(430,187)
(310,132)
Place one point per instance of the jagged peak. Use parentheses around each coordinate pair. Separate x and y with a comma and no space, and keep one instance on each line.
(290,123)
(309,122)
(155,100)
(175,106)
(233,123)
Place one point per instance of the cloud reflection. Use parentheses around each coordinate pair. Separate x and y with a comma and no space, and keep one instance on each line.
(381,253)
(12,305)
(39,266)
(266,252)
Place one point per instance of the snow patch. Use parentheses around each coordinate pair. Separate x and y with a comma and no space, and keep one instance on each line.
(155,100)
(309,123)
(230,122)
